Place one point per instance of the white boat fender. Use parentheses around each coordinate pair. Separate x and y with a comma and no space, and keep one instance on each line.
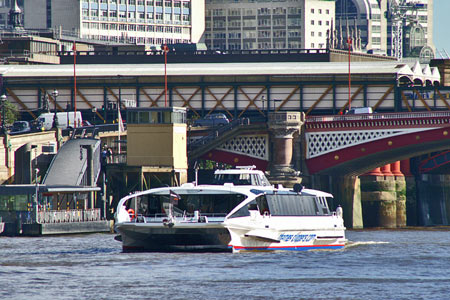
(339,211)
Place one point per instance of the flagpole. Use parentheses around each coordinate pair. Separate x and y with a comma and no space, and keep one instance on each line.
(119,123)
(166,49)
(119,117)
(74,85)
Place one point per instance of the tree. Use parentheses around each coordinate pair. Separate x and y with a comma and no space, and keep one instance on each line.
(11,113)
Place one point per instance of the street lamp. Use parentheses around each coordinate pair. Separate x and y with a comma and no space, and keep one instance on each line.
(55,117)
(94,112)
(3,101)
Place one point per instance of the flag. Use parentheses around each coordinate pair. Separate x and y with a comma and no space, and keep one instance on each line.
(119,116)
(121,128)
(174,197)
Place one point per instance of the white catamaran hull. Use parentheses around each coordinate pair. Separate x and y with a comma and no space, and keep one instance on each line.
(297,240)
(228,218)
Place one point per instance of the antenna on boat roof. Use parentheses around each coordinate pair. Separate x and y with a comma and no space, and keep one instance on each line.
(246,167)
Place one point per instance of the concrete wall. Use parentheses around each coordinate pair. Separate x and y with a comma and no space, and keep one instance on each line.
(35,14)
(9,144)
(66,13)
(197,20)
(157,145)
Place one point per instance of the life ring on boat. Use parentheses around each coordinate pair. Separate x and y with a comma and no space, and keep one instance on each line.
(131,213)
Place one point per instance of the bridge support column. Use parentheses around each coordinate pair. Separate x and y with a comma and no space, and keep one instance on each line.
(411,196)
(347,193)
(282,126)
(400,190)
(379,201)
(433,192)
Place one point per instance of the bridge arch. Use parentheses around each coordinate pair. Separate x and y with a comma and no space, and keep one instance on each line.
(354,145)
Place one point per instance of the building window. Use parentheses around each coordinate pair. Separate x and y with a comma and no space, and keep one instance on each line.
(312,10)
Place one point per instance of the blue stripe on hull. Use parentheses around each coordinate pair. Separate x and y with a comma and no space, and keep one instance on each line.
(290,248)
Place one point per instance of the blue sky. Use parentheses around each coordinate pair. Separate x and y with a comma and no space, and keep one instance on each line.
(441,34)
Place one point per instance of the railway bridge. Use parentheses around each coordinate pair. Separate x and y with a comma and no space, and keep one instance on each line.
(301,105)
(328,145)
(363,159)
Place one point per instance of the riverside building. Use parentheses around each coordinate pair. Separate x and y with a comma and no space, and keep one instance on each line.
(270,24)
(149,22)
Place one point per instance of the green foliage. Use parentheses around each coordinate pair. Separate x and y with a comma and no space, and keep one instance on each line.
(211,165)
(11,113)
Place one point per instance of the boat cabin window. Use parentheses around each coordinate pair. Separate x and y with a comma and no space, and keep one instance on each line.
(236,179)
(206,204)
(260,204)
(241,179)
(262,180)
(296,205)
(244,211)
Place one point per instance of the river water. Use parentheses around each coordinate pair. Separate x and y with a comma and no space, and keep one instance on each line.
(377,264)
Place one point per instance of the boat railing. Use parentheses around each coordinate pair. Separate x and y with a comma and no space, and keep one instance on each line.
(158,218)
(69,216)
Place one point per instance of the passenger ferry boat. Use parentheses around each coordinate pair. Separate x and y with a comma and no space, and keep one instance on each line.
(228,217)
(298,219)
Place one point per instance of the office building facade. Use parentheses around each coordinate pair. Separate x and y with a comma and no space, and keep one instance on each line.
(269,24)
(142,22)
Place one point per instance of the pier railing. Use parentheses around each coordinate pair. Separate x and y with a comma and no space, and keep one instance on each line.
(69,216)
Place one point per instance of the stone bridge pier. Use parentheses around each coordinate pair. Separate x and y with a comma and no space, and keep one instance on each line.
(283,125)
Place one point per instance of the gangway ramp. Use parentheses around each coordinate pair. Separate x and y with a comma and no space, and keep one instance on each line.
(70,164)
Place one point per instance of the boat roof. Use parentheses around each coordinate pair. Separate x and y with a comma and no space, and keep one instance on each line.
(238,171)
(249,190)
(190,187)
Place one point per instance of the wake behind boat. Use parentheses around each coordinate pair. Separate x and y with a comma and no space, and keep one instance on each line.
(228,217)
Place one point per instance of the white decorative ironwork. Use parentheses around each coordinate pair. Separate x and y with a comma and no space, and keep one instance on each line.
(319,143)
(250,145)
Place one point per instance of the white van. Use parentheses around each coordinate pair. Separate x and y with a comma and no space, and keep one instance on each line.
(65,119)
(360,110)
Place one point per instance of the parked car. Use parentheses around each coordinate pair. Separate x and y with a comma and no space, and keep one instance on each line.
(20,127)
(212,120)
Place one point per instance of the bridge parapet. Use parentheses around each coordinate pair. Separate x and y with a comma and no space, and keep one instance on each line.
(384,120)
